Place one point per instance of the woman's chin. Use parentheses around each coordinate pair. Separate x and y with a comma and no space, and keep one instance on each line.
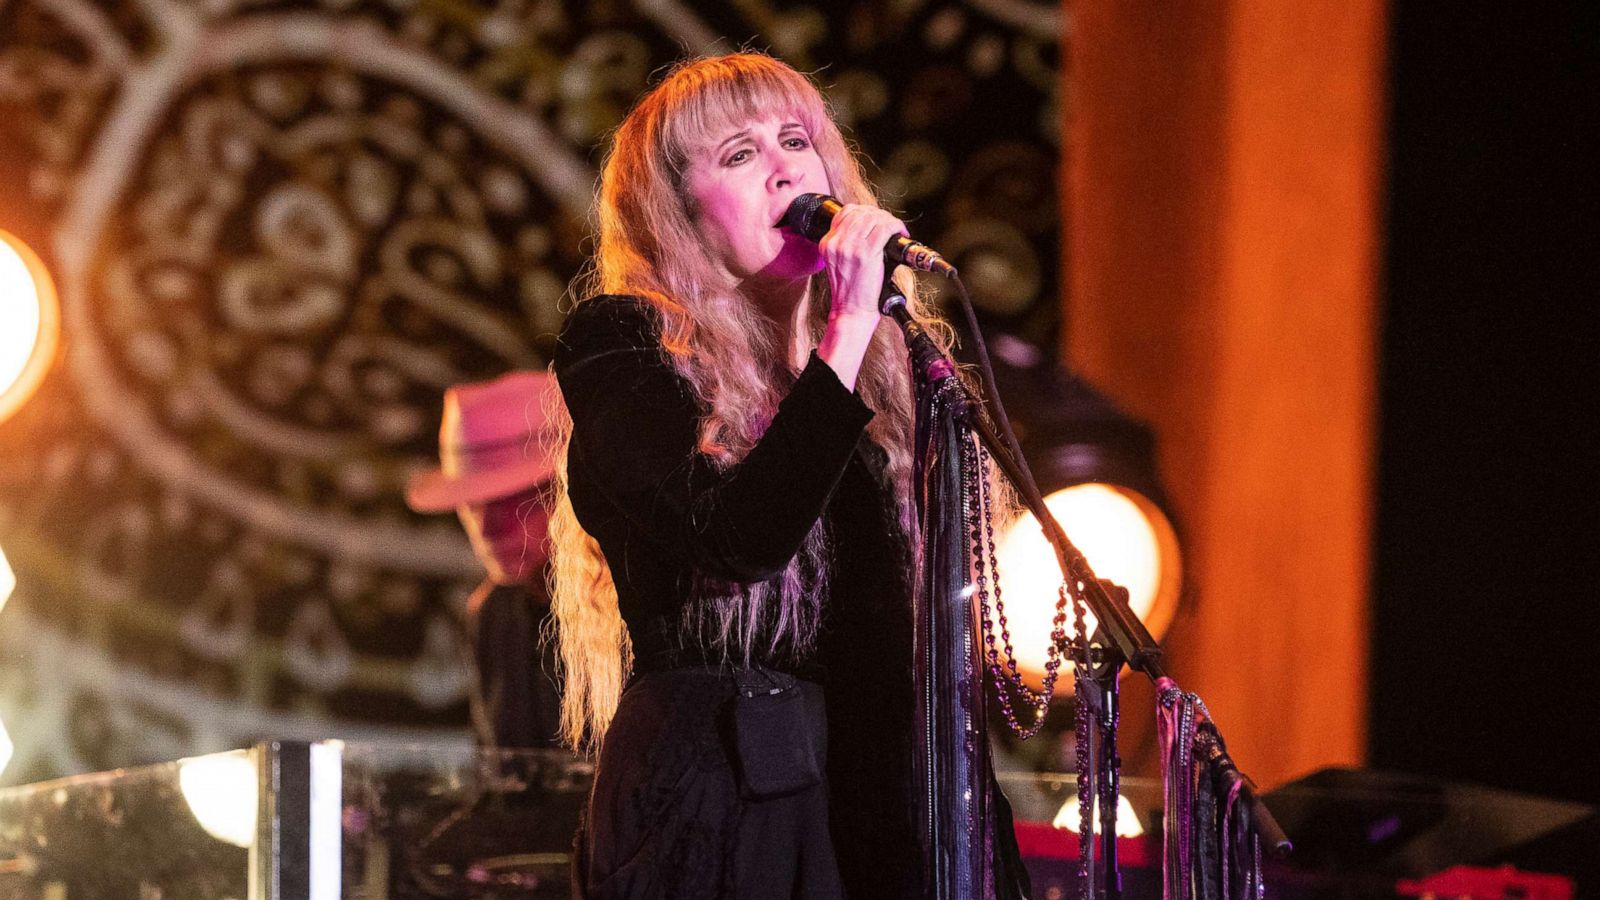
(791,265)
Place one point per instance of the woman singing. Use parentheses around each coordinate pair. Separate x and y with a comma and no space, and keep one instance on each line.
(733,529)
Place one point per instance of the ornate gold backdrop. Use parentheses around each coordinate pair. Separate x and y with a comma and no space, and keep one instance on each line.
(280,229)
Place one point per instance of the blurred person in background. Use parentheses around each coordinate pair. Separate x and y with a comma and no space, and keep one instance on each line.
(495,472)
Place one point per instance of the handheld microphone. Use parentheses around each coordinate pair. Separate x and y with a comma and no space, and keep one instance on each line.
(810,216)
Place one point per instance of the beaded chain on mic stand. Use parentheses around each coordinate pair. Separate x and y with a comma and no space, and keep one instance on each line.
(1082,722)
(1007,679)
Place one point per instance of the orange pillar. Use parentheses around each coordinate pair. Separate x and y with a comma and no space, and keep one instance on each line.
(1222,205)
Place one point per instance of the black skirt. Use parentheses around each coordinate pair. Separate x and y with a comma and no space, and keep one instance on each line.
(668,820)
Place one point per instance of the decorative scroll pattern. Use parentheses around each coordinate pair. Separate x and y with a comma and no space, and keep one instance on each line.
(281,227)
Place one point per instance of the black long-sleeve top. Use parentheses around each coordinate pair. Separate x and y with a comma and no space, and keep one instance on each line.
(663,513)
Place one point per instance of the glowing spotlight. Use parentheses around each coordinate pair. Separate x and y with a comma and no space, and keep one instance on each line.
(222,791)
(1126,538)
(30,323)
(8,579)
(1127,823)
(1096,467)
(6,748)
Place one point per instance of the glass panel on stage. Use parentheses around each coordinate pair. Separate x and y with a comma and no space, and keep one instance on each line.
(438,822)
(180,830)
(300,821)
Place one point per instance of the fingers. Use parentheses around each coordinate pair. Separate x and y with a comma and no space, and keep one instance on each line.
(853,251)
(859,232)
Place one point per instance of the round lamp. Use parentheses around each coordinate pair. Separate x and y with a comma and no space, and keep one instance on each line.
(1096,468)
(30,323)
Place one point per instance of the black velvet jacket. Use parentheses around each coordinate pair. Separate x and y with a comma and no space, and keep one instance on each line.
(663,514)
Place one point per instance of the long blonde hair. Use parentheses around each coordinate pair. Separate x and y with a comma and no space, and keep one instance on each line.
(733,357)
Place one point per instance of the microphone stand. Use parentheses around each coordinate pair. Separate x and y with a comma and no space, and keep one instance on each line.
(1099,766)
(1121,638)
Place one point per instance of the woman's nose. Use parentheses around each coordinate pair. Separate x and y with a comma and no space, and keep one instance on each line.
(785,174)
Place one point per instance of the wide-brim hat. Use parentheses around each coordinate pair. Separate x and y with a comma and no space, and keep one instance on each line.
(493,442)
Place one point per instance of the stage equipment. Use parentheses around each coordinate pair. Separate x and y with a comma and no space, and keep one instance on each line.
(30,323)
(811,215)
(1399,825)
(1096,467)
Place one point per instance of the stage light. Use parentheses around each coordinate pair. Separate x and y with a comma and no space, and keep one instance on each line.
(30,323)
(6,748)
(1128,825)
(1096,468)
(1126,538)
(222,791)
(8,579)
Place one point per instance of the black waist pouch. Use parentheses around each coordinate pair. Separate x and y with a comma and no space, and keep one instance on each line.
(780,729)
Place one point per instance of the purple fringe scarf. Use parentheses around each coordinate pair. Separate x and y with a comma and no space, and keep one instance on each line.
(1210,848)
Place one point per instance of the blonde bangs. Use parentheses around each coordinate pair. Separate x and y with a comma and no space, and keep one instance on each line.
(702,104)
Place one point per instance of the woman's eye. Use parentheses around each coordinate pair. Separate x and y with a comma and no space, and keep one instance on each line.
(796,143)
(736,158)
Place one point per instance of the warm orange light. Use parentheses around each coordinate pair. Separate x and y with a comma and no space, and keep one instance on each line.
(30,323)
(1126,539)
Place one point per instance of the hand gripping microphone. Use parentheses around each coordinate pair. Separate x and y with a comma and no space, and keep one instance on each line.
(810,216)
